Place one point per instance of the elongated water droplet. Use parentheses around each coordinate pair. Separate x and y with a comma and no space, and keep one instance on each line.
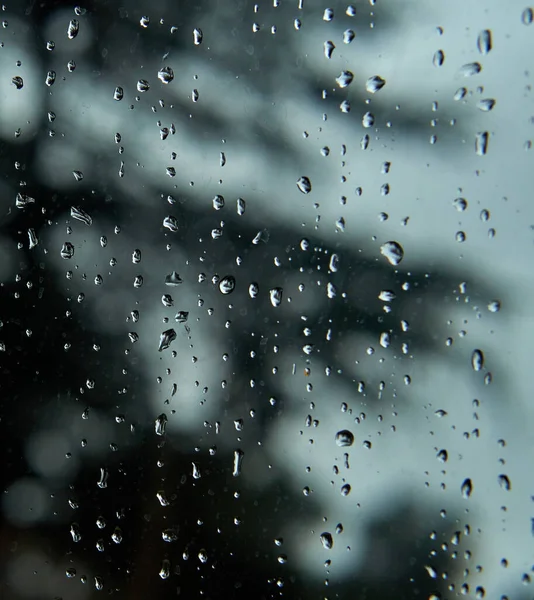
(160,424)
(477,360)
(329,48)
(227,284)
(165,571)
(238,462)
(467,488)
(527,16)
(165,75)
(166,339)
(470,69)
(304,184)
(375,84)
(387,296)
(486,104)
(50,78)
(275,296)
(393,252)
(253,290)
(442,456)
(33,240)
(198,36)
(103,481)
(460,94)
(368,120)
(73,29)
(136,256)
(196,471)
(241,206)
(327,540)
(334,263)
(75,532)
(118,94)
(481,143)
(484,41)
(344,438)
(218,202)
(81,215)
(348,36)
(439,58)
(345,489)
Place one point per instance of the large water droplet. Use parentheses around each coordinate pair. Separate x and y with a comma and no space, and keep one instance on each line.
(439,58)
(304,184)
(374,84)
(481,143)
(470,69)
(143,85)
(171,223)
(173,279)
(344,438)
(198,36)
(486,104)
(393,252)
(67,250)
(329,48)
(166,339)
(504,482)
(327,540)
(253,290)
(118,94)
(227,284)
(238,462)
(73,29)
(160,424)
(80,215)
(527,16)
(165,74)
(275,296)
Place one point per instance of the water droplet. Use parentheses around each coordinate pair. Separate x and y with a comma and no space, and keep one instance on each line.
(393,252)
(160,424)
(484,41)
(368,120)
(494,306)
(238,462)
(167,300)
(385,339)
(467,488)
(165,571)
(118,94)
(334,263)
(348,36)
(218,202)
(166,339)
(173,279)
(375,84)
(328,14)
(344,79)
(275,296)
(103,481)
(18,82)
(67,250)
(253,290)
(241,205)
(165,74)
(527,16)
(304,184)
(329,48)
(345,489)
(481,143)
(504,482)
(73,29)
(136,256)
(327,540)
(387,296)
(181,317)
(470,69)
(344,438)
(143,85)
(477,360)
(196,471)
(261,236)
(81,215)
(443,456)
(460,204)
(144,22)
(50,78)
(75,532)
(439,58)
(78,175)
(171,223)
(33,240)
(486,104)
(197,36)
(227,284)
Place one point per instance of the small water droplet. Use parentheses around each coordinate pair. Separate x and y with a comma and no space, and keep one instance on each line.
(460,204)
(393,252)
(494,306)
(328,14)
(173,279)
(443,456)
